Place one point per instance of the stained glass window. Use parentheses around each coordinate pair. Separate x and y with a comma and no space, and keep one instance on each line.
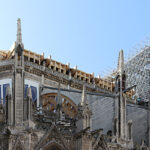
(34,93)
(4,92)
(33,90)
(25,90)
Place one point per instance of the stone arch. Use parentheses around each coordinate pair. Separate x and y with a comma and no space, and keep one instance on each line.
(49,103)
(52,146)
(18,145)
(52,139)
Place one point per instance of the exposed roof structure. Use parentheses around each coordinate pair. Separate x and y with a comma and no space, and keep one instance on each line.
(39,59)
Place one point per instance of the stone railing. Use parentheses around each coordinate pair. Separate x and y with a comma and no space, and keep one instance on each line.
(7,62)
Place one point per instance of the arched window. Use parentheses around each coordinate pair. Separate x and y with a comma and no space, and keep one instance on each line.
(115,126)
(86,121)
(34,89)
(49,102)
(4,83)
(130,129)
(52,146)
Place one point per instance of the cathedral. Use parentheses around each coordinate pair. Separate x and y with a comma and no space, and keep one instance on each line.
(48,105)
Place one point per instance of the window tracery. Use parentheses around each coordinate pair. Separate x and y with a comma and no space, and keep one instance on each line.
(68,106)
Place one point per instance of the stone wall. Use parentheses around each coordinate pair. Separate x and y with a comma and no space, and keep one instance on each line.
(102,108)
(139,116)
(103,112)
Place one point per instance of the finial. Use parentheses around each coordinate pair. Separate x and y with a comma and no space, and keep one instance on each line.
(19,35)
(121,62)
(99,76)
(68,64)
(84,97)
(50,57)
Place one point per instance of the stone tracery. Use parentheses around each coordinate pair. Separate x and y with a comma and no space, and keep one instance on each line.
(55,122)
(49,103)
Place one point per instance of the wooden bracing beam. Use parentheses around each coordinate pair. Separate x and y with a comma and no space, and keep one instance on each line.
(65,69)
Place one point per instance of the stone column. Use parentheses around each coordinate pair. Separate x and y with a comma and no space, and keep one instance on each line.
(9,106)
(29,104)
(10,145)
(86,142)
(130,130)
(29,140)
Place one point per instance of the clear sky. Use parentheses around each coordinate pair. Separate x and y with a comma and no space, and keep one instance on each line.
(86,33)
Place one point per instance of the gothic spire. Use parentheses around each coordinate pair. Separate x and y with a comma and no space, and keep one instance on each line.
(84,97)
(19,34)
(121,62)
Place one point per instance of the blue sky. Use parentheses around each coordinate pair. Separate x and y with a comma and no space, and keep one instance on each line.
(86,33)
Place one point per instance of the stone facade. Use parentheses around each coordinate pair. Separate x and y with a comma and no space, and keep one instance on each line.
(51,108)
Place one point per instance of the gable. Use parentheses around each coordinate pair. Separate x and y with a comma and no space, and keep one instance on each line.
(52,139)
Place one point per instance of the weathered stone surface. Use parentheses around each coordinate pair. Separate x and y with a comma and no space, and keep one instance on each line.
(67,118)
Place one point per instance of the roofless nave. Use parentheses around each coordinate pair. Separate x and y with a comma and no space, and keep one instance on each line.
(49,105)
